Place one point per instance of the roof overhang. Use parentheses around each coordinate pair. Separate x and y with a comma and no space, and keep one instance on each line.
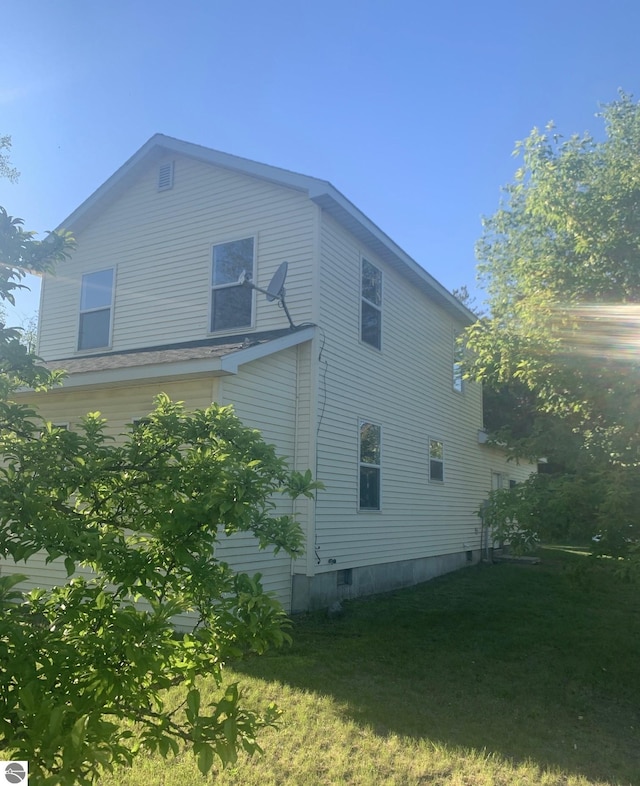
(143,366)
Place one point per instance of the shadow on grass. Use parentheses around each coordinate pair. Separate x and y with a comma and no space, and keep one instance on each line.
(534,663)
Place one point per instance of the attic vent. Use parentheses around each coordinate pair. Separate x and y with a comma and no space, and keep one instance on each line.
(165,177)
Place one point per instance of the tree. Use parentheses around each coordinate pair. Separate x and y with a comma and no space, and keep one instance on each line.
(6,169)
(146,517)
(560,261)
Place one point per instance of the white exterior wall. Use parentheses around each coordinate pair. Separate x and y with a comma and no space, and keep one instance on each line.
(160,243)
(407,389)
(121,405)
(265,396)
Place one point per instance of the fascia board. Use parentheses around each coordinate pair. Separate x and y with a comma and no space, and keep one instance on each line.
(356,222)
(115,376)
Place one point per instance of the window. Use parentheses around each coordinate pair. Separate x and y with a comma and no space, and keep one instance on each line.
(96,304)
(371,305)
(369,466)
(458,351)
(436,460)
(231,302)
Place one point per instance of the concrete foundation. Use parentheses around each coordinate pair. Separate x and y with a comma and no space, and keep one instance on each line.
(320,591)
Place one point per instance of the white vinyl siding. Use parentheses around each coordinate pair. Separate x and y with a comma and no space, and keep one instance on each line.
(122,406)
(162,242)
(263,395)
(408,390)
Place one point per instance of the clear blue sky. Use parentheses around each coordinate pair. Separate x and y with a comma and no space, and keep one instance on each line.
(411,108)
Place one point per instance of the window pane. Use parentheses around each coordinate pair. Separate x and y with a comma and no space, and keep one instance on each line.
(371,283)
(457,377)
(231,308)
(231,259)
(371,324)
(369,443)
(97,289)
(369,488)
(94,329)
(435,449)
(436,470)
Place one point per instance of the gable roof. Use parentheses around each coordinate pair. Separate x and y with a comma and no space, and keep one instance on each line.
(319,191)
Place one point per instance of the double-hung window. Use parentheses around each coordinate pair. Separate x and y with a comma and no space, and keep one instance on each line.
(369,466)
(371,305)
(231,301)
(436,460)
(96,307)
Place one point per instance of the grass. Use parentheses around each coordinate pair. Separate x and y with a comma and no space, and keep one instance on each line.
(496,675)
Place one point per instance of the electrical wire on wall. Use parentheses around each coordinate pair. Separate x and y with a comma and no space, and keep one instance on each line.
(322,402)
(324,367)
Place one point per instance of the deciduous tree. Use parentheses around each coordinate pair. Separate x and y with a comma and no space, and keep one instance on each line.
(560,262)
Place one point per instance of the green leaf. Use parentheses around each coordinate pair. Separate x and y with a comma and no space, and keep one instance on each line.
(193,702)
(205,759)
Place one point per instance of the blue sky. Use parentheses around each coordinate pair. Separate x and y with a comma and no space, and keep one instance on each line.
(410,108)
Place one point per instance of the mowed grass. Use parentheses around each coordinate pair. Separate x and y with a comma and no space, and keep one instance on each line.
(504,674)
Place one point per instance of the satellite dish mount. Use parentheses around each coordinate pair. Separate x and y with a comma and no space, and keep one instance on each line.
(275,290)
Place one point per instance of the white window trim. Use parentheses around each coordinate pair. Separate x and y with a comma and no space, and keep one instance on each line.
(361,464)
(89,310)
(363,299)
(431,439)
(233,330)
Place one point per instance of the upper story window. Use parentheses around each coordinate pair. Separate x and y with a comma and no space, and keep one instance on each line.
(369,466)
(371,305)
(436,460)
(231,302)
(96,307)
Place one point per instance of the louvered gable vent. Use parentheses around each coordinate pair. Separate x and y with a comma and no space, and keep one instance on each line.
(165,176)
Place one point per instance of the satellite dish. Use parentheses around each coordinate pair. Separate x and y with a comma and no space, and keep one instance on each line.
(275,290)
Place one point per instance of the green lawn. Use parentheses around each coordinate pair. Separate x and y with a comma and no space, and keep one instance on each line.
(505,674)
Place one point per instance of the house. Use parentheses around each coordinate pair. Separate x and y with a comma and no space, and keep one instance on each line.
(352,372)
